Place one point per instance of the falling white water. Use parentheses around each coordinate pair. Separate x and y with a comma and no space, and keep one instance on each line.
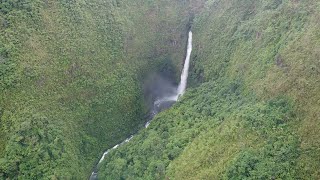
(184,75)
(156,105)
(182,85)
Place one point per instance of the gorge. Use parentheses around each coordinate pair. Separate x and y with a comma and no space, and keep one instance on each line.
(80,77)
(161,103)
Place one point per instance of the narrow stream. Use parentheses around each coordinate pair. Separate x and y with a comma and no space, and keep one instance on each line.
(161,103)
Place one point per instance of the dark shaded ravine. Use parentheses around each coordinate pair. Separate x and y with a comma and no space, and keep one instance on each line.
(163,102)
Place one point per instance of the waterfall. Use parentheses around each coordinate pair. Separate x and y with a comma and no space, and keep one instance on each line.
(184,75)
(164,101)
(170,99)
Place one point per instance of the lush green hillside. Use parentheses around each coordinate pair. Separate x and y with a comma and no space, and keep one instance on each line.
(71,75)
(253,109)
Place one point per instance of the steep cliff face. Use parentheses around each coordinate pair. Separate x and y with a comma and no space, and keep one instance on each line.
(71,75)
(272,49)
(253,109)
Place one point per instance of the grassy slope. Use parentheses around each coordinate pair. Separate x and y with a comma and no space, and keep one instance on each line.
(275,49)
(256,113)
(70,79)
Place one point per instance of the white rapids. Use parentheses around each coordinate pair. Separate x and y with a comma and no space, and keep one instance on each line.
(156,105)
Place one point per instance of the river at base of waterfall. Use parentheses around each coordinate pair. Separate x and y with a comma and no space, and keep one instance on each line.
(161,103)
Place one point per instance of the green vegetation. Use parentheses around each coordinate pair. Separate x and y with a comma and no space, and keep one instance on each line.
(253,109)
(71,74)
(213,125)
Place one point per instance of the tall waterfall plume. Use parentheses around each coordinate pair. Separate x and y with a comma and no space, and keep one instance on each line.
(184,75)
